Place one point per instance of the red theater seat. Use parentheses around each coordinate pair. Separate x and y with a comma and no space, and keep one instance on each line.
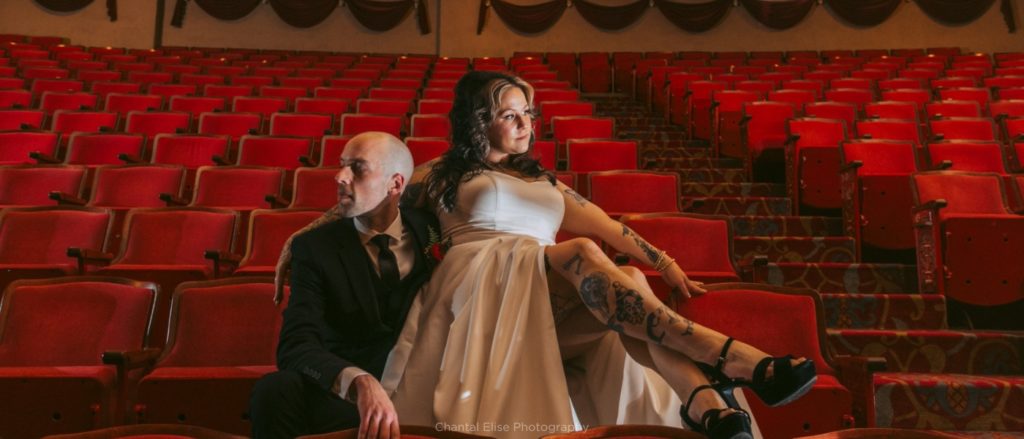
(221,339)
(812,162)
(964,221)
(797,319)
(425,149)
(875,176)
(623,192)
(30,185)
(700,244)
(15,146)
(313,126)
(54,334)
(34,241)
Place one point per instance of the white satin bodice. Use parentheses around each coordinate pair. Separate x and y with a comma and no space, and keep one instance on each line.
(493,204)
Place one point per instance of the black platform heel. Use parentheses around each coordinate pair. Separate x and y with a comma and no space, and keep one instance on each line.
(735,425)
(787,383)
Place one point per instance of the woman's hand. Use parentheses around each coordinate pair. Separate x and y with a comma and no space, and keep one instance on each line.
(682,286)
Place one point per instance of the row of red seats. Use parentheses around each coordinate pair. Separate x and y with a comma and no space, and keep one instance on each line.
(222,336)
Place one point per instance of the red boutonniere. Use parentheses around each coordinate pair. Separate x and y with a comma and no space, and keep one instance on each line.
(436,247)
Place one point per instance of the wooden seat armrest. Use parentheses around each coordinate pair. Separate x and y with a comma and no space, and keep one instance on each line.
(942,166)
(41,157)
(64,199)
(128,360)
(751,269)
(792,139)
(694,204)
(221,258)
(220,160)
(307,161)
(172,200)
(856,164)
(86,256)
(854,373)
(130,158)
(276,201)
(932,205)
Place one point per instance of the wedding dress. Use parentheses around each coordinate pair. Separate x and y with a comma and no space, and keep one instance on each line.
(479,352)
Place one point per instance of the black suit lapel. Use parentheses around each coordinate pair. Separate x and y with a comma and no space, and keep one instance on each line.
(354,259)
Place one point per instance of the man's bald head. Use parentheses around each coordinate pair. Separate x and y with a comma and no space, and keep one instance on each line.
(394,156)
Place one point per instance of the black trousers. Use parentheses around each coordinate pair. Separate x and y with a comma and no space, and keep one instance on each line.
(284,405)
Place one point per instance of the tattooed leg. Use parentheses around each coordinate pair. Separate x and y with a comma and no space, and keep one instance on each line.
(631,308)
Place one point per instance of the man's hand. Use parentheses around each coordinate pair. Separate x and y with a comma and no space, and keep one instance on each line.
(377,416)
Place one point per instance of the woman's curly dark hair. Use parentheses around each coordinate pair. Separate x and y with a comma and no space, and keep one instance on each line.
(473,110)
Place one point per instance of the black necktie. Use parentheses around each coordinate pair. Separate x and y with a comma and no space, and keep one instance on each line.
(386,261)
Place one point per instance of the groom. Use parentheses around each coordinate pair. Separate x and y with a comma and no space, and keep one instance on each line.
(353,281)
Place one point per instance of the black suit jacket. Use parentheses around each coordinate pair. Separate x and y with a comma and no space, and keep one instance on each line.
(332,320)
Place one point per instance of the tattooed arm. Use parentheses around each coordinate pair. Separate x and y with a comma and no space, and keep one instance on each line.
(587,219)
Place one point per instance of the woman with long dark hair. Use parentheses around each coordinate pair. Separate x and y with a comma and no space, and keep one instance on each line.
(482,348)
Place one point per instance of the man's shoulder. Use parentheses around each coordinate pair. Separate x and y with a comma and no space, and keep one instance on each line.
(325,234)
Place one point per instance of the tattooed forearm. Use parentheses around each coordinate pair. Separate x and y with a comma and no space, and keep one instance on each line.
(576,197)
(576,259)
(653,255)
(594,292)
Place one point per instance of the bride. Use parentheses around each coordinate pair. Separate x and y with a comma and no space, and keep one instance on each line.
(482,347)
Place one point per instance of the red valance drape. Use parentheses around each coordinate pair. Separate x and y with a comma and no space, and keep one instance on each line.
(75,5)
(611,17)
(700,17)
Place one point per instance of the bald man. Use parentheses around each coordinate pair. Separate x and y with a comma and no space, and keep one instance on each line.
(352,282)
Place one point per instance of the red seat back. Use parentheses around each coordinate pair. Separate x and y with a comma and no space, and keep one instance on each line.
(31,185)
(968,155)
(881,157)
(102,149)
(268,231)
(72,321)
(236,187)
(315,188)
(965,192)
(42,235)
(585,155)
(425,149)
(174,236)
(620,192)
(230,322)
(135,185)
(698,243)
(744,310)
(188,150)
(15,146)
(582,127)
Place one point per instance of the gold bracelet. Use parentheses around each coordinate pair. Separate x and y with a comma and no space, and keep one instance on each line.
(664,262)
